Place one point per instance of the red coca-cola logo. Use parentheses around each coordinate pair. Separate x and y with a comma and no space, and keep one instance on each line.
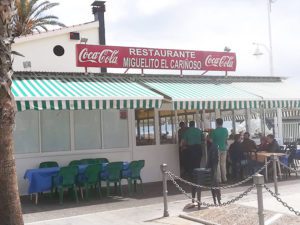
(104,56)
(223,61)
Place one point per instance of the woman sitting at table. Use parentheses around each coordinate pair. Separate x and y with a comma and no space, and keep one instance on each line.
(263,146)
(273,145)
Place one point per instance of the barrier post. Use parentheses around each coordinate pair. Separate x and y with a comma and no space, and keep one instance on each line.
(163,168)
(274,159)
(258,180)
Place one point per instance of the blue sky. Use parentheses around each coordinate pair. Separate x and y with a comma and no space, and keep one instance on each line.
(202,25)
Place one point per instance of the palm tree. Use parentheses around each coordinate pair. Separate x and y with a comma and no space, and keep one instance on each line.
(31,17)
(10,208)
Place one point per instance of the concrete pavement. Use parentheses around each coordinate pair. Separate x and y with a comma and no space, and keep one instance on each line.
(152,210)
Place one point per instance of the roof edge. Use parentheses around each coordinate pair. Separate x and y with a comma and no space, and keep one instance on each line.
(59,31)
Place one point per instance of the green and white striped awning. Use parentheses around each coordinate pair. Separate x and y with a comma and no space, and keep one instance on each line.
(188,93)
(274,94)
(81,92)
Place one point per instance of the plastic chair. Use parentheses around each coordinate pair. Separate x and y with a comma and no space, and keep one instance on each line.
(74,163)
(91,178)
(113,175)
(134,174)
(66,178)
(101,160)
(48,164)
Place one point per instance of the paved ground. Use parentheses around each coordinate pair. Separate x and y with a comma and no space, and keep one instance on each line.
(147,208)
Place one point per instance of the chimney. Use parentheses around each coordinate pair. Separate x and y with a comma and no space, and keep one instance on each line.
(98,11)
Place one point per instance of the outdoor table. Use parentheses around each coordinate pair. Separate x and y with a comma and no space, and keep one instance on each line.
(263,156)
(40,179)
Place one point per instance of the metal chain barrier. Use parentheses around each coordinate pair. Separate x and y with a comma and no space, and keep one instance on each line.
(297,213)
(172,176)
(289,168)
(246,192)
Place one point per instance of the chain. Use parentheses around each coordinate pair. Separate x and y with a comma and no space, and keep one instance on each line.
(289,168)
(209,204)
(171,175)
(297,213)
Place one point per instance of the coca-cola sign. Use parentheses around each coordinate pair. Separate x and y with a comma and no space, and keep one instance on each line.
(153,58)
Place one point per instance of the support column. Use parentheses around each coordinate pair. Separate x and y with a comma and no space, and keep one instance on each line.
(248,120)
(279,137)
(233,122)
(156,127)
(218,113)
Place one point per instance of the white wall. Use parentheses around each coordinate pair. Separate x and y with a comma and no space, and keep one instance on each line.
(154,156)
(38,49)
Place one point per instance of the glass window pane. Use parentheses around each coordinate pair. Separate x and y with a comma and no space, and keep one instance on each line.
(144,124)
(167,127)
(115,128)
(55,130)
(26,134)
(87,131)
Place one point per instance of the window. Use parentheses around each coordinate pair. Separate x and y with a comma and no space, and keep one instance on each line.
(26,134)
(87,130)
(55,130)
(167,127)
(115,128)
(144,124)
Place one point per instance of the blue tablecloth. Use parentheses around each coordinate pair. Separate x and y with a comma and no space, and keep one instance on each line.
(298,154)
(40,179)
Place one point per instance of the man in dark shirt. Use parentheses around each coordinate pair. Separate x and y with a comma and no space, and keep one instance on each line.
(273,145)
(248,145)
(236,156)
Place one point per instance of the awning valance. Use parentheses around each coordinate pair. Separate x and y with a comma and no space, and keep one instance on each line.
(187,93)
(274,94)
(72,93)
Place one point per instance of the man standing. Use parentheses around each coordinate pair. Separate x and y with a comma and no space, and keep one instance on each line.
(192,139)
(219,137)
(248,145)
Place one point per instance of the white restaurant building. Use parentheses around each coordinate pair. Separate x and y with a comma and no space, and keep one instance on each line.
(65,113)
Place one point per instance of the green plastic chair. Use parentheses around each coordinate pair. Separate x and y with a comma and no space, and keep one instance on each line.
(48,164)
(135,168)
(91,178)
(102,160)
(88,161)
(114,176)
(66,178)
(74,163)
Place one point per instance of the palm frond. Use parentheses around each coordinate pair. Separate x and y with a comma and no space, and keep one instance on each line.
(44,8)
(31,16)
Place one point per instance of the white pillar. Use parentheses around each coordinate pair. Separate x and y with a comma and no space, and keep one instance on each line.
(248,120)
(218,113)
(279,137)
(233,122)
(156,128)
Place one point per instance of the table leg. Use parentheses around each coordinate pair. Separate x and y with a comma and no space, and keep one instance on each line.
(279,169)
(36,198)
(266,170)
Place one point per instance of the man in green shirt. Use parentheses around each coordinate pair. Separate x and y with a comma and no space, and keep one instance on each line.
(192,139)
(219,137)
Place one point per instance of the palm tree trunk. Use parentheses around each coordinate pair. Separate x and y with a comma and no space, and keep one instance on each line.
(10,207)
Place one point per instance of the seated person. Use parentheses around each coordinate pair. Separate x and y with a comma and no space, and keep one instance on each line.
(273,145)
(236,156)
(248,145)
(263,146)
